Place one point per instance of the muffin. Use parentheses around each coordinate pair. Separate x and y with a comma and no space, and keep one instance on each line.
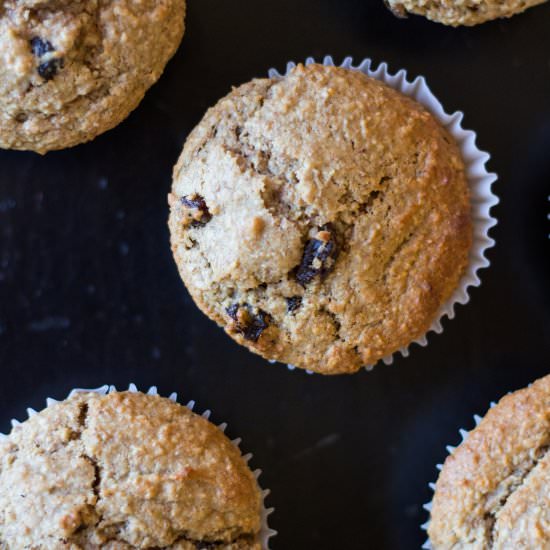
(321,218)
(454,13)
(73,70)
(124,471)
(494,489)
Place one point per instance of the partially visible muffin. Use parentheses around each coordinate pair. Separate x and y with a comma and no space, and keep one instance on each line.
(124,471)
(494,489)
(321,218)
(456,13)
(73,69)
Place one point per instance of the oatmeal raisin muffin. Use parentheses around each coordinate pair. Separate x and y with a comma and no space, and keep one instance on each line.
(321,218)
(456,13)
(494,489)
(73,69)
(124,471)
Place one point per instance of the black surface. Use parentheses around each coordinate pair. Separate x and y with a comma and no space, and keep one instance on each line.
(89,292)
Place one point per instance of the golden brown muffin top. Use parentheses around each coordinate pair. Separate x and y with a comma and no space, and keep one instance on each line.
(71,69)
(494,489)
(322,218)
(465,12)
(124,471)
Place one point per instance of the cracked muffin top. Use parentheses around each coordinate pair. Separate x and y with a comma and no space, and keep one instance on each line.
(71,70)
(467,12)
(322,218)
(124,471)
(494,489)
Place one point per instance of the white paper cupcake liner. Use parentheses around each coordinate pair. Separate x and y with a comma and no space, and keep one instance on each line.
(450,450)
(479,179)
(265,532)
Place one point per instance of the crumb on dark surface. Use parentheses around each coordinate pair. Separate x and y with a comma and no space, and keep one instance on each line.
(397,9)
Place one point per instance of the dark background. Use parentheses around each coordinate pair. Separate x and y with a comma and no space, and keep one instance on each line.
(89,293)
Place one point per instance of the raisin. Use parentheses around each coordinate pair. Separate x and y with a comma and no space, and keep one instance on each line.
(41,47)
(293,303)
(49,69)
(247,322)
(319,256)
(197,210)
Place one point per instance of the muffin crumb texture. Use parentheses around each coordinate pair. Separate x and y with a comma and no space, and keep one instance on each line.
(73,69)
(321,218)
(124,471)
(465,12)
(494,489)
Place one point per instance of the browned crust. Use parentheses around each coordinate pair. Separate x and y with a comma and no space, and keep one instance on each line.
(468,12)
(490,477)
(423,268)
(99,85)
(124,470)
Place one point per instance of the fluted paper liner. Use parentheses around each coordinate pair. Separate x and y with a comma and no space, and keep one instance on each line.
(479,179)
(265,532)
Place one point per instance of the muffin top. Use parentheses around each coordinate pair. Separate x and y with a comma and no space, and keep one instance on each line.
(71,69)
(322,218)
(494,489)
(124,471)
(468,12)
